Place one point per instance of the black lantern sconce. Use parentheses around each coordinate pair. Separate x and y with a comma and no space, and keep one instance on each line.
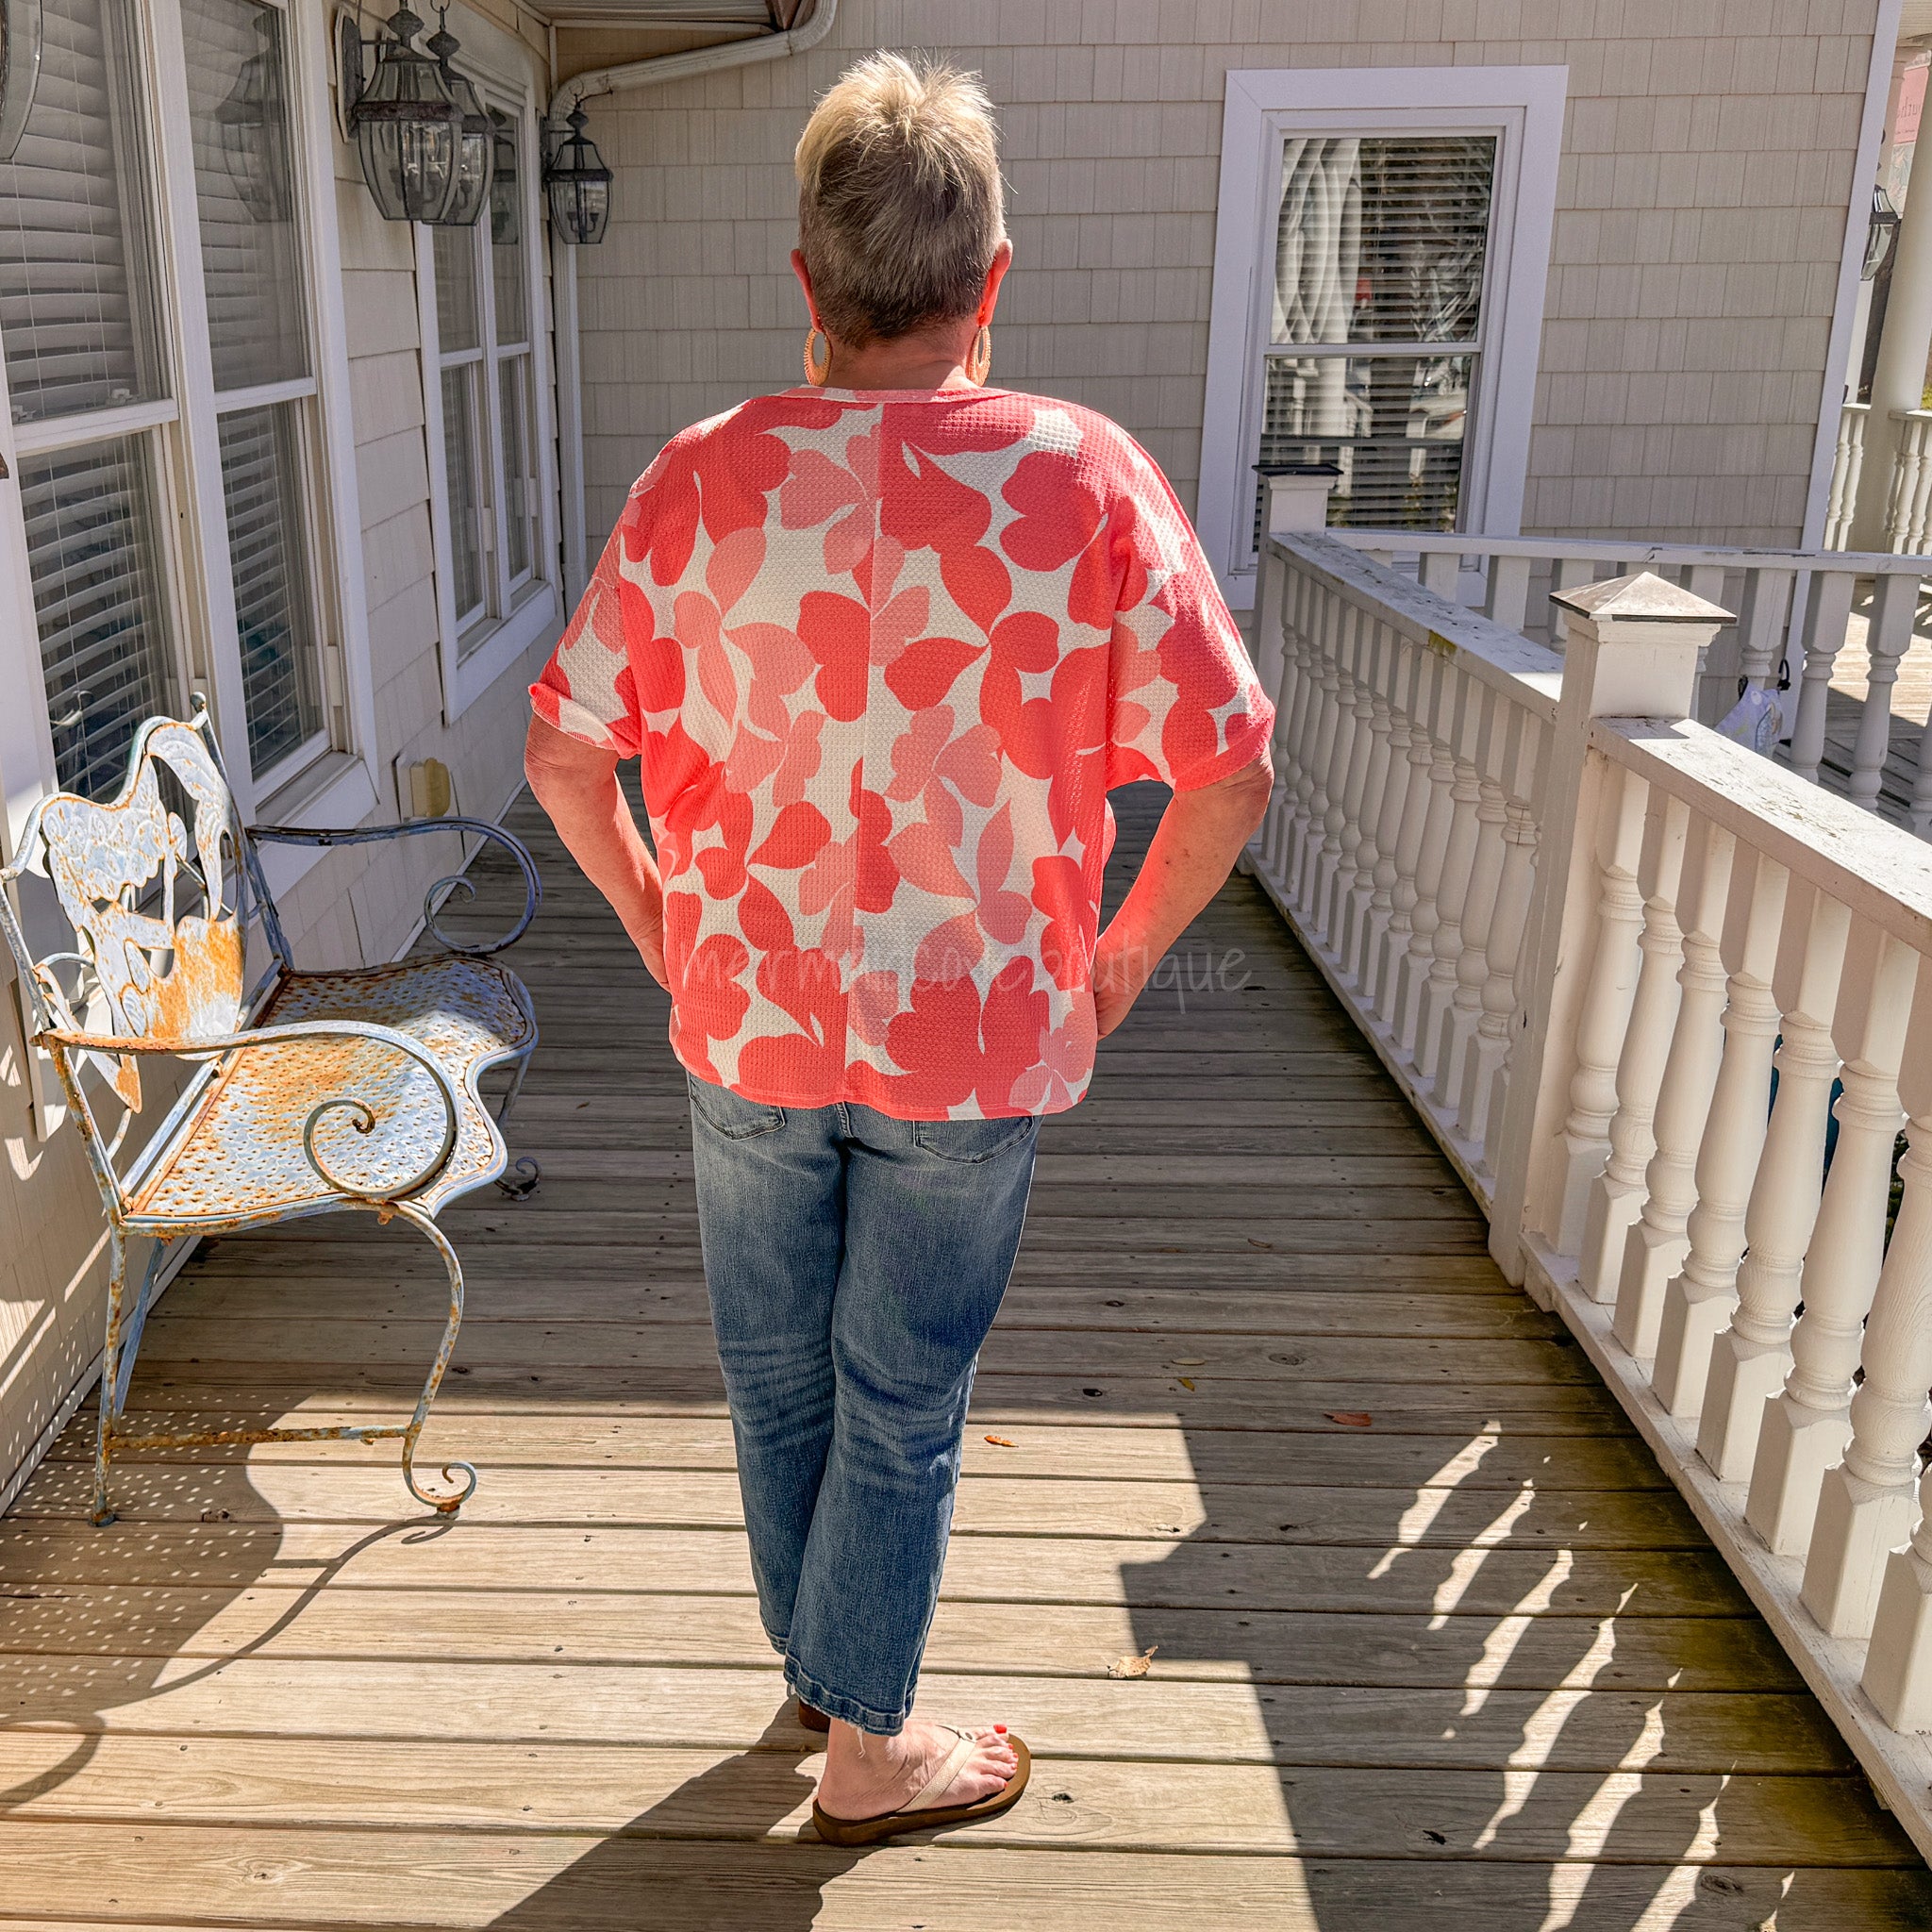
(579,185)
(405,121)
(476,161)
(19,69)
(255,130)
(1881,234)
(506,195)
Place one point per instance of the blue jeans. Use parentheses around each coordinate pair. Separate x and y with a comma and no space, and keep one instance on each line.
(854,1263)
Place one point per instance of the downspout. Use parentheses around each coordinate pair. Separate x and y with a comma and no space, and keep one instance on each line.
(581,87)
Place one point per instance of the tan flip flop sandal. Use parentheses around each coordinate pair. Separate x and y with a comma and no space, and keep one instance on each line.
(925,1813)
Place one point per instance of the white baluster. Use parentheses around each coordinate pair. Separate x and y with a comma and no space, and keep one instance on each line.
(1452,894)
(1326,721)
(1314,604)
(1357,891)
(1604,1012)
(1617,1194)
(1865,1507)
(1484,1079)
(1416,799)
(1827,612)
(1333,909)
(1748,1364)
(1508,599)
(1327,858)
(1698,1304)
(1805,1429)
(1465,1010)
(1380,914)
(1893,608)
(1412,971)
(1657,1244)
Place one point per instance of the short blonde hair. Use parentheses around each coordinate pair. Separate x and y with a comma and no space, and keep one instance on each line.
(900,204)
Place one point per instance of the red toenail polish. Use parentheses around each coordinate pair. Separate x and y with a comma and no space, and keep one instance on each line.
(999,1730)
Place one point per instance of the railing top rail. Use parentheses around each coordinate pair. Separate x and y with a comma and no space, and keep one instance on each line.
(1882,873)
(1504,658)
(1633,553)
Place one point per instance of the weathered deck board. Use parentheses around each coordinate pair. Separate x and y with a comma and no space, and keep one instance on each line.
(1468,1667)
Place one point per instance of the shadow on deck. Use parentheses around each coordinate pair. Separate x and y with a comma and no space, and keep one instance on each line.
(1434,1642)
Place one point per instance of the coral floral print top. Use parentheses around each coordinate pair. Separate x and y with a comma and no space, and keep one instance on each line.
(881,654)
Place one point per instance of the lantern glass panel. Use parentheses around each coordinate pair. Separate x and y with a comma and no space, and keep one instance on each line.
(408,130)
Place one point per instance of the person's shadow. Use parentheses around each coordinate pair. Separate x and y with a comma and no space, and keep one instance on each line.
(664,1864)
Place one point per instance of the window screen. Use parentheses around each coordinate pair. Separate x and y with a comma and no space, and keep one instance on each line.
(76,303)
(1376,319)
(98,604)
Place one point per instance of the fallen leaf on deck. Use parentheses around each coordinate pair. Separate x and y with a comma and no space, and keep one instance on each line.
(1350,1418)
(1190,1362)
(1133,1665)
(1186,1381)
(1002,1442)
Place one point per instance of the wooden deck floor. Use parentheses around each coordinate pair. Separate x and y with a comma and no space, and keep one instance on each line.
(1434,1644)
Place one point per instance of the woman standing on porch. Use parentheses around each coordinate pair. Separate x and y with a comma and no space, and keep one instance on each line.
(881,644)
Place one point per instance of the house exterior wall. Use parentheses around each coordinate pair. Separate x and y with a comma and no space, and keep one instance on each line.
(349,906)
(1707,171)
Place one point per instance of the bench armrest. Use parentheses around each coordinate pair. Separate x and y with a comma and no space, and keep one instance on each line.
(456,882)
(361,1115)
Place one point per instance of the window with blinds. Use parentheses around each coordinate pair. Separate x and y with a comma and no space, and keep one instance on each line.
(76,256)
(1375,313)
(99,604)
(485,351)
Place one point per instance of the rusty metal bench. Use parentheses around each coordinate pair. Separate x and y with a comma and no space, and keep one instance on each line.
(312,1091)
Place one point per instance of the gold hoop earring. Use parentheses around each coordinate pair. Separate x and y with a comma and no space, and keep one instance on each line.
(816,372)
(979,361)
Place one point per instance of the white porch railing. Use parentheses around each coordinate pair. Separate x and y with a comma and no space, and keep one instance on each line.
(1795,609)
(1908,503)
(1587,935)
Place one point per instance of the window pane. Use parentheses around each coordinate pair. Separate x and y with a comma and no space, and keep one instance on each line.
(520,512)
(244,190)
(459,445)
(508,278)
(76,297)
(1382,239)
(456,289)
(274,618)
(1394,425)
(97,600)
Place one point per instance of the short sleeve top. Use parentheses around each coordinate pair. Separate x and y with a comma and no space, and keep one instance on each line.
(881,654)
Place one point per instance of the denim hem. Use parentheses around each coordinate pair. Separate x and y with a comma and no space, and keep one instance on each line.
(807,1689)
(777,1643)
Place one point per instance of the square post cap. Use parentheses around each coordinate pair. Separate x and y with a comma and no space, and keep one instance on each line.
(1642,598)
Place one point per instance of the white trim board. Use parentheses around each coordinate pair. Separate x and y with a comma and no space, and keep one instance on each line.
(1525,106)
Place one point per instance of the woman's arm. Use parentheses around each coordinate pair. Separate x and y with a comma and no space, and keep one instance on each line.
(1196,845)
(576,784)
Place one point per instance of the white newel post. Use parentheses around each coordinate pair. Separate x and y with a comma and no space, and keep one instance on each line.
(1631,652)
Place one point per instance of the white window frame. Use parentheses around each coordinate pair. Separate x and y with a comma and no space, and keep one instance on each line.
(530,610)
(1523,107)
(332,785)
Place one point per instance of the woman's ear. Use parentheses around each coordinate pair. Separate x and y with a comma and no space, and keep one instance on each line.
(989,300)
(804,274)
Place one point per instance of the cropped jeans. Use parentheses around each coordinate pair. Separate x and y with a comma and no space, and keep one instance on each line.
(854,1263)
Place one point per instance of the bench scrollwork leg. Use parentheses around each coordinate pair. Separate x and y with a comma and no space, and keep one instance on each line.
(454,1472)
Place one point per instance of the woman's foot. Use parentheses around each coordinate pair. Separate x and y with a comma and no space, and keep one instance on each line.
(867,1775)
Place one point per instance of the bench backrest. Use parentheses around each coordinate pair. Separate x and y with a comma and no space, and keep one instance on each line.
(151,884)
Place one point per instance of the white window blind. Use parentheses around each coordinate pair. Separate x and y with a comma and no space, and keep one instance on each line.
(76,309)
(99,605)
(1381,246)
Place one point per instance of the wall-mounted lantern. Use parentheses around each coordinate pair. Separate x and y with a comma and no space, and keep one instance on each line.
(476,161)
(254,122)
(578,184)
(1881,234)
(406,123)
(19,69)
